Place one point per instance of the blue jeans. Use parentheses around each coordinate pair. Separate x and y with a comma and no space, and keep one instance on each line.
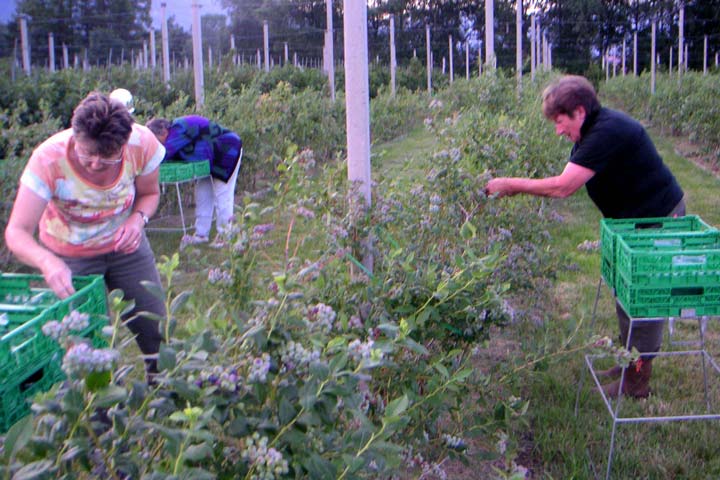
(126,271)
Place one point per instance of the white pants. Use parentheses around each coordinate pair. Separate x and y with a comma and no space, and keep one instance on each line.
(211,195)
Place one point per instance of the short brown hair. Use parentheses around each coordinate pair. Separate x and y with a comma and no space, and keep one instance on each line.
(563,96)
(159,126)
(102,123)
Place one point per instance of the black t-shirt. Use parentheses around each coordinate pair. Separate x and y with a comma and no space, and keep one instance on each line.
(631,180)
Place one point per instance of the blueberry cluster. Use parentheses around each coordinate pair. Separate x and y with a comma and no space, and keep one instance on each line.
(219,276)
(259,369)
(225,378)
(295,357)
(320,316)
(306,159)
(72,322)
(429,469)
(456,443)
(435,202)
(360,350)
(82,359)
(267,463)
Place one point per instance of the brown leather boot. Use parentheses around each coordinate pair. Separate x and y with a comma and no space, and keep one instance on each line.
(637,381)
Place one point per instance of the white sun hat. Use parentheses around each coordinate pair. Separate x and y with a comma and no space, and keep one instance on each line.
(125,97)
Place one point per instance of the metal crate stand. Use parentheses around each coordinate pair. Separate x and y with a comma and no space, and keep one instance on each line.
(175,174)
(613,408)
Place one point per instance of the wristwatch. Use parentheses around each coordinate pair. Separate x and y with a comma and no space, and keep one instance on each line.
(144,217)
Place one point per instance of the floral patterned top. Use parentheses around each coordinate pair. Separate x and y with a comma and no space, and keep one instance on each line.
(81,218)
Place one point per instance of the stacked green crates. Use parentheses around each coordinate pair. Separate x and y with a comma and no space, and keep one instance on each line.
(29,360)
(669,275)
(611,229)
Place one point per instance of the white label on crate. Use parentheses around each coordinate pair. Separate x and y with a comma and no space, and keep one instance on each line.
(668,242)
(687,312)
(685,260)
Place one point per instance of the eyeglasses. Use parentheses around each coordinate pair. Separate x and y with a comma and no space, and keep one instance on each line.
(85,157)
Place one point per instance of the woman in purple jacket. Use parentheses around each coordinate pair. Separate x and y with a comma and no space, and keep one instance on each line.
(193,139)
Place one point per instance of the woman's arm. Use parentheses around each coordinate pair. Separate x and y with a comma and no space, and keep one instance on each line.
(147,197)
(20,239)
(561,186)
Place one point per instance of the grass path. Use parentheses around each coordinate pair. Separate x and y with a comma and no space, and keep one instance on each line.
(561,441)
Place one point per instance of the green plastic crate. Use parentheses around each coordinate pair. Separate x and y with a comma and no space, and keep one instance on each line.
(15,395)
(22,342)
(611,228)
(173,172)
(665,301)
(201,169)
(674,259)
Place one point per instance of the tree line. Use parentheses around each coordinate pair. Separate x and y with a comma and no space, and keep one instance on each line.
(580,31)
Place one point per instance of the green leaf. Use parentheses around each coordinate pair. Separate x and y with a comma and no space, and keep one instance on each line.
(319,468)
(178,416)
(468,230)
(109,396)
(35,470)
(166,358)
(308,401)
(195,453)
(179,301)
(462,374)
(96,381)
(197,474)
(286,411)
(441,370)
(397,406)
(154,288)
(415,347)
(17,438)
(319,370)
(338,362)
(335,343)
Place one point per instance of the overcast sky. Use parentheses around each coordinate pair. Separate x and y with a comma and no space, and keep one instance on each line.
(179,8)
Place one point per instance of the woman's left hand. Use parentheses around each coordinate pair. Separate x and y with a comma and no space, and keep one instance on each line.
(129,236)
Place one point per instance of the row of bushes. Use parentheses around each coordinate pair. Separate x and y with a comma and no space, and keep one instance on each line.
(686,105)
(305,362)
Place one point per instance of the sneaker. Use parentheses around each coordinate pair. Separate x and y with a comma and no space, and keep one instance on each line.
(218,242)
(193,239)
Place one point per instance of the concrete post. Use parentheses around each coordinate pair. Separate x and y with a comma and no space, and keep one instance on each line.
(652,59)
(490,34)
(165,44)
(450,54)
(393,59)
(153,54)
(145,61)
(24,44)
(518,41)
(357,101)
(51,51)
(429,59)
(467,60)
(330,49)
(197,57)
(533,60)
(266,45)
